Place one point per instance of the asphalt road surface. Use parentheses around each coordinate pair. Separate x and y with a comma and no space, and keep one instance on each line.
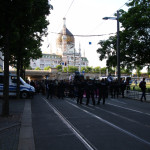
(62,124)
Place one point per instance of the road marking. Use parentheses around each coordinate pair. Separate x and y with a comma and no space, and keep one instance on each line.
(115,114)
(86,143)
(117,101)
(129,109)
(111,124)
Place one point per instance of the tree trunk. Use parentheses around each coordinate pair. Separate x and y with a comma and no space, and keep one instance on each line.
(18,77)
(5,104)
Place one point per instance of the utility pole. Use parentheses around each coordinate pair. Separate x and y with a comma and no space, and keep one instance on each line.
(118,48)
(118,44)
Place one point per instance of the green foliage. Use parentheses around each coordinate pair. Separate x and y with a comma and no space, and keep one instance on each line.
(47,68)
(103,70)
(134,37)
(29,67)
(138,71)
(148,70)
(72,69)
(37,68)
(89,69)
(97,69)
(59,67)
(126,71)
(65,69)
(83,69)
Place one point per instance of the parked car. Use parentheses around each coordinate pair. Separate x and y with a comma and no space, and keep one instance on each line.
(26,89)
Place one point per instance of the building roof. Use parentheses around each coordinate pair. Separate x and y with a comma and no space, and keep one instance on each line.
(70,37)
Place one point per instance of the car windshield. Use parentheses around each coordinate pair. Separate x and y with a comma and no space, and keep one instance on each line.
(22,81)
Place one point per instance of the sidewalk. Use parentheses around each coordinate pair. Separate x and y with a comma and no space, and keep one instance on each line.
(16,130)
(10,126)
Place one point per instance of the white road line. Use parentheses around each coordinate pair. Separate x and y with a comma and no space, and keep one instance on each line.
(117,101)
(86,143)
(115,114)
(129,109)
(112,125)
(124,108)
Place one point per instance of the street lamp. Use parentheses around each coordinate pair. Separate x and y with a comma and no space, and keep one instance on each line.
(118,45)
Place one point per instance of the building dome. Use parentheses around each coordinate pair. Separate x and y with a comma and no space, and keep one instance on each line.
(70,38)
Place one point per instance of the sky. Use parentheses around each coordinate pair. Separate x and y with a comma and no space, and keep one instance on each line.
(83,17)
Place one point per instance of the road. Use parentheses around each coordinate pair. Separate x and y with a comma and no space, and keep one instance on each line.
(120,124)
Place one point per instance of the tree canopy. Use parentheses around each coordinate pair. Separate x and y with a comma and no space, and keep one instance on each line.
(21,30)
(134,37)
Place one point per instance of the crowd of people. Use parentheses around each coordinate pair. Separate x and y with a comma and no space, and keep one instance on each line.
(80,87)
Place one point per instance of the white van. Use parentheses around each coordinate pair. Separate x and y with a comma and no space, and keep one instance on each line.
(26,89)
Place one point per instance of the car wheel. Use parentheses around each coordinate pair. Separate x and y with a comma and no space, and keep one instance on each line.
(24,94)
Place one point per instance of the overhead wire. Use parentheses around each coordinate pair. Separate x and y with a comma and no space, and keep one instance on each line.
(69,8)
(94,28)
(66,12)
(85,35)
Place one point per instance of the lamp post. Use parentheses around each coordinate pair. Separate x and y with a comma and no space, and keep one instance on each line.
(118,45)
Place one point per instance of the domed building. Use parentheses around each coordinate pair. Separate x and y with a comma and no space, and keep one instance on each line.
(65,40)
(66,54)
(65,44)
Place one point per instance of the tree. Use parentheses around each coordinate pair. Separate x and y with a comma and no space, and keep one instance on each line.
(134,37)
(72,68)
(83,69)
(47,68)
(89,69)
(37,68)
(23,23)
(103,70)
(59,67)
(97,69)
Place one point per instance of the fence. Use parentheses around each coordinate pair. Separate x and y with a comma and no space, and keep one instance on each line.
(136,95)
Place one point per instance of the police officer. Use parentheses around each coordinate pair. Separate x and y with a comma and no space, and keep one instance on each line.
(50,89)
(100,92)
(103,88)
(122,87)
(116,88)
(90,91)
(80,90)
(143,88)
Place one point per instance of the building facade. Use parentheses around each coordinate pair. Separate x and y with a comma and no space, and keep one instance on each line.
(66,54)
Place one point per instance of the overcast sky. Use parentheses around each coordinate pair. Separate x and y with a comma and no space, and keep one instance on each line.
(83,17)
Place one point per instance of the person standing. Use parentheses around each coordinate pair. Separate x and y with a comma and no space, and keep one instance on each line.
(50,89)
(116,88)
(61,89)
(142,85)
(100,92)
(123,87)
(90,89)
(103,91)
(80,89)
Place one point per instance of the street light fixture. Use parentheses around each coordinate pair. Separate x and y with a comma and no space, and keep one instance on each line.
(118,45)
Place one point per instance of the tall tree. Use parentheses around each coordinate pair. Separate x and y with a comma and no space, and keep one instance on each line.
(25,22)
(134,37)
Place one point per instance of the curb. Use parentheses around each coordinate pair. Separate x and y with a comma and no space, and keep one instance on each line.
(26,138)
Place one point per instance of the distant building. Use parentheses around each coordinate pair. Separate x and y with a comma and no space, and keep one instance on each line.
(66,54)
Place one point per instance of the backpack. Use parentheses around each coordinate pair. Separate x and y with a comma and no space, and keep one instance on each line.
(141,84)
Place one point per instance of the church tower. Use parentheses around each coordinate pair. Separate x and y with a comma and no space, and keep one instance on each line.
(64,36)
(65,40)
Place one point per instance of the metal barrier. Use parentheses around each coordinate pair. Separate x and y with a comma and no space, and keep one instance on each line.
(136,95)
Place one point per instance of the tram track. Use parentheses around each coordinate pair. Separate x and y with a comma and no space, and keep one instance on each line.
(59,106)
(85,141)
(113,125)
